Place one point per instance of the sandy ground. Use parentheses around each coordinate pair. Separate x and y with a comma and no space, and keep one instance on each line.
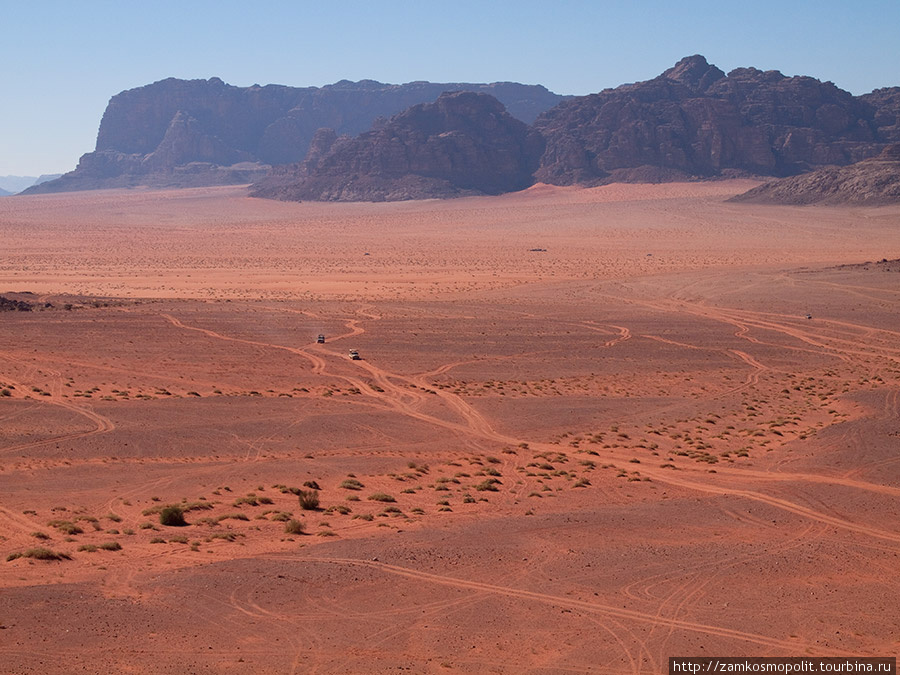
(631,445)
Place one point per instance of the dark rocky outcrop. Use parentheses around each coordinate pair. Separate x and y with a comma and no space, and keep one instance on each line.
(696,121)
(206,132)
(462,144)
(874,181)
(10,305)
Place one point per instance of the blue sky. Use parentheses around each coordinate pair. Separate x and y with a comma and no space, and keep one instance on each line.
(61,60)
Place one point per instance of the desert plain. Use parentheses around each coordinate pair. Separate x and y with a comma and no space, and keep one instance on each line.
(590,429)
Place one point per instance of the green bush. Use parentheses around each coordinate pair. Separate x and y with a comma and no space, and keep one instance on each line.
(172,516)
(381,497)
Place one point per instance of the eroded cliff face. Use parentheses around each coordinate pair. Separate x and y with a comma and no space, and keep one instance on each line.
(462,144)
(206,132)
(696,121)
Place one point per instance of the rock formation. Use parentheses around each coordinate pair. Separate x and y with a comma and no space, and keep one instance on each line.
(696,121)
(205,132)
(873,181)
(10,305)
(462,144)
(692,121)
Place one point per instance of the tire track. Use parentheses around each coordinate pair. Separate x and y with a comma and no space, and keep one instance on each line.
(545,598)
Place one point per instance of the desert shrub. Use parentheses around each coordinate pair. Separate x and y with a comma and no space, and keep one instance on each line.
(312,485)
(489,485)
(364,516)
(282,516)
(113,517)
(381,497)
(338,508)
(294,527)
(87,548)
(172,516)
(178,539)
(157,540)
(351,484)
(309,500)
(234,516)
(65,526)
(265,500)
(227,536)
(40,535)
(41,553)
(185,506)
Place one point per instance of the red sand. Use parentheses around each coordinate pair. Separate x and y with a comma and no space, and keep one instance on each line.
(630,446)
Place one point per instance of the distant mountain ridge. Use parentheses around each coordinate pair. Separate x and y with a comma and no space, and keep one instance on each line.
(206,132)
(693,121)
(10,185)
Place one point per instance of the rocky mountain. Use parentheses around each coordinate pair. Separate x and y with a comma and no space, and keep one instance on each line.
(206,132)
(4,193)
(10,185)
(873,181)
(885,104)
(13,184)
(693,120)
(464,143)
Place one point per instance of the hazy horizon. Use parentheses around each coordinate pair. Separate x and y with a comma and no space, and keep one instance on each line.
(71,59)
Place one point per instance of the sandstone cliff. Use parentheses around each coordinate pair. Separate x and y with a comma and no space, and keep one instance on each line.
(462,144)
(695,121)
(206,132)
